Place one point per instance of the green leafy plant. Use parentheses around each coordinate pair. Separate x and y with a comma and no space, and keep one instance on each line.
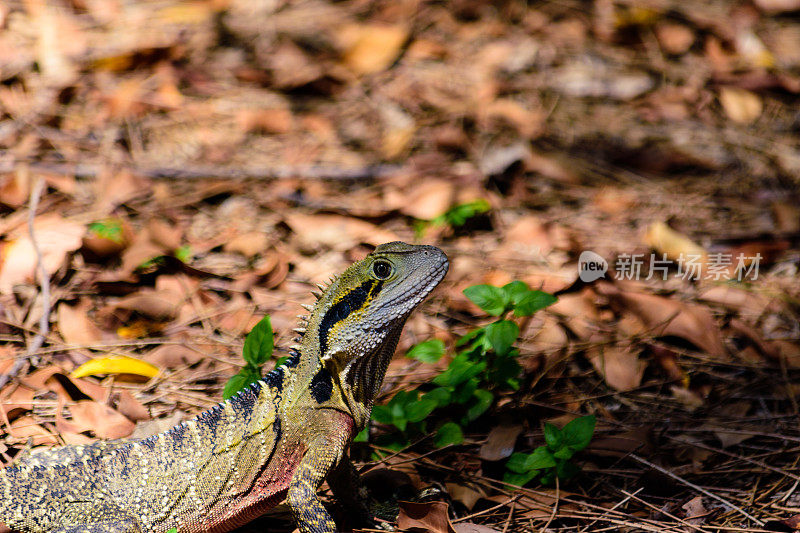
(484,364)
(552,460)
(455,217)
(257,350)
(109,228)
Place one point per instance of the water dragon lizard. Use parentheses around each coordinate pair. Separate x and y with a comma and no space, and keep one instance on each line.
(276,440)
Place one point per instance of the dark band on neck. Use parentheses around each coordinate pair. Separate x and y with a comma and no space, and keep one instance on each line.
(352,301)
(322,386)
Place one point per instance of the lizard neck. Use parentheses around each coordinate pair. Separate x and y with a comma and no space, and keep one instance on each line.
(346,382)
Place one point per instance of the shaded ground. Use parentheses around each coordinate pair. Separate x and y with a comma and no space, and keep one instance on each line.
(206,163)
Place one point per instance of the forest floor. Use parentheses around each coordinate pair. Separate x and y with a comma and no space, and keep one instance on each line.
(186,168)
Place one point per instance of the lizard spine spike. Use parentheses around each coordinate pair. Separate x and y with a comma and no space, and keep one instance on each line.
(307,307)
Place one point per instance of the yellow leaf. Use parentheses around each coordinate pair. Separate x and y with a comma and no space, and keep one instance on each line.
(115,365)
(374,48)
(676,245)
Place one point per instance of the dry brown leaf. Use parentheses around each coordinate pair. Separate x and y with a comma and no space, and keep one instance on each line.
(747,302)
(173,356)
(619,366)
(730,413)
(55,237)
(102,420)
(500,442)
(528,235)
(778,6)
(666,317)
(130,407)
(668,361)
(428,199)
(112,188)
(372,48)
(75,325)
(740,105)
(15,188)
(155,304)
(526,121)
(335,231)
(467,494)
(674,38)
(16,401)
(579,313)
(430,517)
(695,511)
(248,244)
(25,428)
(638,440)
(270,121)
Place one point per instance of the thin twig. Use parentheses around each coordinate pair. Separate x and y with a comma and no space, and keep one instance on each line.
(555,508)
(317,172)
(44,284)
(697,488)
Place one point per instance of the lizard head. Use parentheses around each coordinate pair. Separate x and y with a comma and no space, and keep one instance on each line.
(359,316)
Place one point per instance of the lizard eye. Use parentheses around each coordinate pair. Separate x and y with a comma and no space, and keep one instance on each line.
(382,269)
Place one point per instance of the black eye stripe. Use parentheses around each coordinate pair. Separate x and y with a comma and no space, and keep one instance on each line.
(352,301)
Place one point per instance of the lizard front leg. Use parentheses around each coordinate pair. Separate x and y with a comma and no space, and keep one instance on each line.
(323,454)
(345,484)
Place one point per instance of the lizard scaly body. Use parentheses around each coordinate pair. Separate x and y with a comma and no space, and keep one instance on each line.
(276,440)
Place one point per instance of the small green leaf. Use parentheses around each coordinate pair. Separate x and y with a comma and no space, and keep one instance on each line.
(461,369)
(501,335)
(552,436)
(363,435)
(428,351)
(491,299)
(481,401)
(516,290)
(440,395)
(245,377)
(382,414)
(419,410)
(183,253)
(459,214)
(465,390)
(109,228)
(449,433)
(505,369)
(172,530)
(520,480)
(539,459)
(475,334)
(516,463)
(532,302)
(578,433)
(258,343)
(564,453)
